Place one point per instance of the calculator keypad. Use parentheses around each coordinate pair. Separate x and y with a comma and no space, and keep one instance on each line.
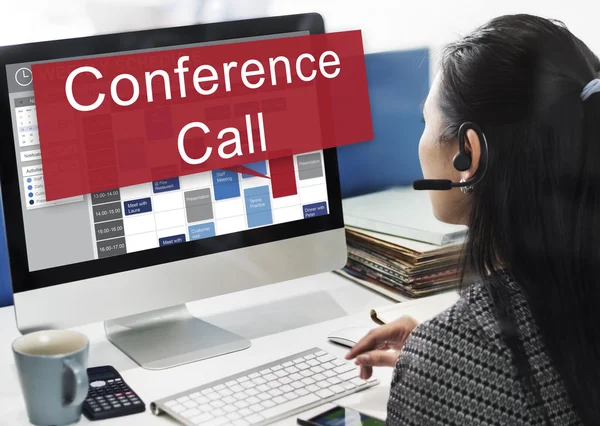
(110,394)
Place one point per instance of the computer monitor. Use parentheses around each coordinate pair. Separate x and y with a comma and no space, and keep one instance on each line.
(92,258)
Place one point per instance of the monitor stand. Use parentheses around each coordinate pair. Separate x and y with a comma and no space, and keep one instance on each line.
(170,337)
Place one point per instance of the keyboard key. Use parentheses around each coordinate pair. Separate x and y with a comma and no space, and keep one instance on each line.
(252,391)
(245,412)
(217,404)
(177,408)
(225,392)
(218,413)
(329,373)
(275,392)
(312,362)
(324,384)
(328,366)
(326,358)
(319,377)
(263,396)
(306,373)
(195,395)
(263,388)
(307,357)
(285,380)
(281,373)
(219,421)
(248,385)
(337,389)
(255,418)
(287,364)
(205,407)
(219,387)
(202,418)
(229,409)
(265,371)
(213,396)
(207,391)
(287,406)
(233,416)
(182,399)
(313,388)
(276,368)
(302,366)
(253,400)
(291,370)
(188,414)
(295,377)
(259,381)
(325,393)
(270,377)
(243,379)
(358,382)
(236,388)
(257,408)
(298,360)
(334,380)
(286,388)
(240,395)
(274,384)
(317,369)
(190,404)
(241,404)
(279,400)
(268,403)
(348,375)
(320,353)
(254,375)
(231,383)
(229,400)
(241,422)
(343,368)
(290,395)
(297,385)
(301,391)
(337,362)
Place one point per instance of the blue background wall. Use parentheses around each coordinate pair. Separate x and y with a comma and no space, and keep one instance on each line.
(398,84)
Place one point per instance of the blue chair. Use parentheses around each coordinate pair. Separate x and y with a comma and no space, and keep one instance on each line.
(6,297)
(398,84)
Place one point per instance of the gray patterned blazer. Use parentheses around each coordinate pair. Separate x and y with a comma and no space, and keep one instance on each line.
(455,370)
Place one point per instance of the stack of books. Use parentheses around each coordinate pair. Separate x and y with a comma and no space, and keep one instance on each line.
(397,247)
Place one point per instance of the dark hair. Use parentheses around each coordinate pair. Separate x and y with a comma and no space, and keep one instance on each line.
(537,210)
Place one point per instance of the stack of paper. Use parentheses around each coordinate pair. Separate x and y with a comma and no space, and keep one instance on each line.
(396,245)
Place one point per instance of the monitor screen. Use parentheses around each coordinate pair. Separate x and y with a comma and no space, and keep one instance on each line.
(209,211)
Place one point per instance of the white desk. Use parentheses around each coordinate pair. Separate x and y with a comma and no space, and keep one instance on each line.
(285,318)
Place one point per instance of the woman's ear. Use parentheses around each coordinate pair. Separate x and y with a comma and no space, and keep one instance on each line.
(473,148)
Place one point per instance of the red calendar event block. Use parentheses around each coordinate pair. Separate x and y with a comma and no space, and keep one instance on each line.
(121,120)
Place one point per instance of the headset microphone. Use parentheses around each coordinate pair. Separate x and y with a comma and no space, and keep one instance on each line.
(461,162)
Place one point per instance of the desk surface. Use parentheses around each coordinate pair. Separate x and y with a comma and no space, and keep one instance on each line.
(313,306)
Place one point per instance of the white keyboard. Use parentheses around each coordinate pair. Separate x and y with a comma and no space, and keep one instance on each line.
(267,393)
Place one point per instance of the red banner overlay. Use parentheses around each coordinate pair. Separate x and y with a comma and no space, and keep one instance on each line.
(116,121)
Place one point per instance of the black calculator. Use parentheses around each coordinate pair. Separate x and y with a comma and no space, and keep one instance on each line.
(109,396)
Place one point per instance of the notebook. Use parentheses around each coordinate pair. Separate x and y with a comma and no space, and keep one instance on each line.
(421,310)
(401,212)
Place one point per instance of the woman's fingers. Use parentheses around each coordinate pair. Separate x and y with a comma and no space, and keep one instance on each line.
(378,358)
(389,336)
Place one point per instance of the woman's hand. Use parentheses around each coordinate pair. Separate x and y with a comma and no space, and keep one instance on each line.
(381,346)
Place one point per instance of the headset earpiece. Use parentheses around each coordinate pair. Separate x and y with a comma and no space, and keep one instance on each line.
(462,160)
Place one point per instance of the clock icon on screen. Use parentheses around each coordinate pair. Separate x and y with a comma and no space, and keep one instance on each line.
(24,77)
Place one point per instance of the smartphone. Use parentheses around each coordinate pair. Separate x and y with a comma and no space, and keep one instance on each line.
(341,416)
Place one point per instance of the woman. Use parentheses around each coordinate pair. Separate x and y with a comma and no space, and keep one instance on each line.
(522,345)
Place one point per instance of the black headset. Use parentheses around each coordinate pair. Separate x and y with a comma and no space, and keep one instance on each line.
(461,162)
